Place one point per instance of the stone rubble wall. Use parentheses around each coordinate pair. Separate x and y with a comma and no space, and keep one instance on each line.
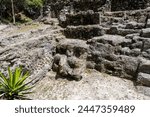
(119,48)
(81,18)
(54,7)
(133,15)
(119,56)
(121,5)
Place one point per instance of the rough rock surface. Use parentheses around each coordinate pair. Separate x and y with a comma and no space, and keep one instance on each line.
(145,33)
(83,32)
(144,78)
(93,86)
(115,48)
(79,18)
(55,6)
(128,4)
(31,48)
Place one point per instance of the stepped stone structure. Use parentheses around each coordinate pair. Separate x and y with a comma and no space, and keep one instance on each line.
(118,46)
(118,5)
(78,36)
(55,6)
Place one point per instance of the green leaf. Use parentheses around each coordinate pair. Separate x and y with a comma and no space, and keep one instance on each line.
(10,77)
(20,82)
(16,75)
(15,87)
(4,80)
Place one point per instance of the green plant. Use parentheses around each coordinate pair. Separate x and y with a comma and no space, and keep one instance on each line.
(35,3)
(10,8)
(14,85)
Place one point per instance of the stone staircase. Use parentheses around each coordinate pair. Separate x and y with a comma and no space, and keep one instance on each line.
(119,49)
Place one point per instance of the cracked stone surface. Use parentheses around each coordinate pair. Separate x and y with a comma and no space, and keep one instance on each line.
(93,86)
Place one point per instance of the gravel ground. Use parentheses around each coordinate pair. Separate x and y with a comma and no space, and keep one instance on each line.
(93,86)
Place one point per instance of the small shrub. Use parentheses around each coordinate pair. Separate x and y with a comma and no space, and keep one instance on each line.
(34,3)
(14,85)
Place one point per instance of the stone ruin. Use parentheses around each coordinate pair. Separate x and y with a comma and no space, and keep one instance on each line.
(55,6)
(104,38)
(97,34)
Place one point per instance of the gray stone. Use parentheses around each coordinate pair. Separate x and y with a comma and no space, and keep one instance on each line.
(80,18)
(73,47)
(145,55)
(131,36)
(137,44)
(145,33)
(143,79)
(90,64)
(146,44)
(148,24)
(124,32)
(143,90)
(113,40)
(135,52)
(32,49)
(74,62)
(129,65)
(76,77)
(41,73)
(131,25)
(128,5)
(113,30)
(125,51)
(56,61)
(68,67)
(145,67)
(84,32)
(98,86)
(148,51)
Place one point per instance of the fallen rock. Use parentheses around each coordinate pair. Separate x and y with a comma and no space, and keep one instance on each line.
(145,67)
(143,79)
(145,33)
(124,32)
(148,23)
(131,36)
(113,30)
(112,40)
(73,47)
(90,64)
(131,25)
(76,77)
(143,90)
(74,62)
(134,25)
(70,68)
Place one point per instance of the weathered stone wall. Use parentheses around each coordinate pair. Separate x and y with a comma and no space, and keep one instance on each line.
(88,4)
(119,5)
(83,32)
(80,18)
(133,15)
(116,48)
(119,47)
(55,6)
(119,56)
